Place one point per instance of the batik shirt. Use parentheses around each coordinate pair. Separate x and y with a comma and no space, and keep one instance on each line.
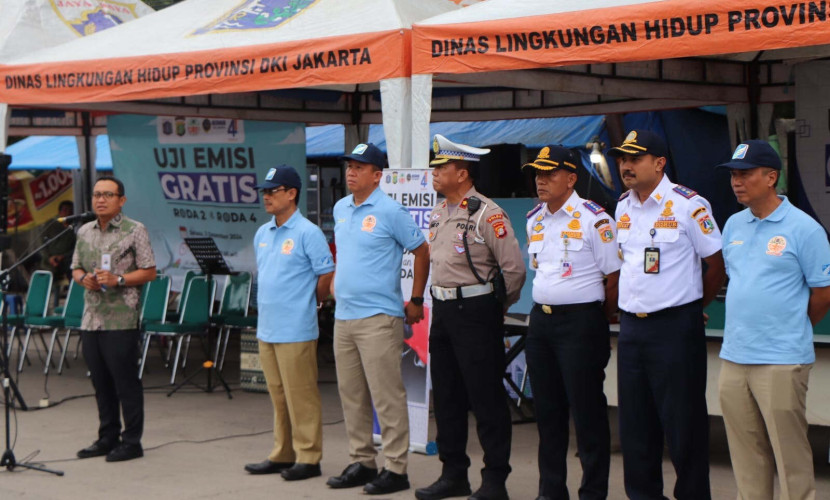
(128,244)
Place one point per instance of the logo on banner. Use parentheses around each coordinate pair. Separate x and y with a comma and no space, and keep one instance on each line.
(256,14)
(85,19)
(193,130)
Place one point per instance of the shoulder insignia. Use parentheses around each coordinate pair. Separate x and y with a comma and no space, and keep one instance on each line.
(624,195)
(685,192)
(535,209)
(593,207)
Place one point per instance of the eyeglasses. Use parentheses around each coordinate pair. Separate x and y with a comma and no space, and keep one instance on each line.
(104,194)
(270,191)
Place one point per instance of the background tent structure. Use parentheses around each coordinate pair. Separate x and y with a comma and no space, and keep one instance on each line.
(50,152)
(558,58)
(208,47)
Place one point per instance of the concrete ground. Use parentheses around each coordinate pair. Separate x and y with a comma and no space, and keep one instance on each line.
(196,444)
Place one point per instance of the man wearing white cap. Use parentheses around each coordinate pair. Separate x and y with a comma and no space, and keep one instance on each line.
(477,273)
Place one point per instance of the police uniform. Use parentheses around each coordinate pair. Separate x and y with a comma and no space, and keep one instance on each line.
(466,337)
(661,359)
(568,345)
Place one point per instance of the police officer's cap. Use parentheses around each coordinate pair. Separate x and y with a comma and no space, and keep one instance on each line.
(640,142)
(367,153)
(553,158)
(283,175)
(751,154)
(446,151)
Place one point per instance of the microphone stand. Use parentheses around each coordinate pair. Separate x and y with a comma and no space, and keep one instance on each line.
(8,460)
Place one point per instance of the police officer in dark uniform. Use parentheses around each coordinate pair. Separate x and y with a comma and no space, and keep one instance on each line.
(573,249)
(477,273)
(665,231)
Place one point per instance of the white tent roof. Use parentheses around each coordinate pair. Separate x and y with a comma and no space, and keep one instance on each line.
(31,25)
(216,46)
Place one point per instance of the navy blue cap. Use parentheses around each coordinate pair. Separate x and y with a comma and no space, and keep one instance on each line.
(641,142)
(283,175)
(554,157)
(753,153)
(367,153)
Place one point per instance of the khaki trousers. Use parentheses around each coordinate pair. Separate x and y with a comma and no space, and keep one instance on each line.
(764,409)
(291,373)
(368,353)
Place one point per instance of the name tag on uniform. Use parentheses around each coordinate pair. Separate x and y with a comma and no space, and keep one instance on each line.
(651,263)
(567,269)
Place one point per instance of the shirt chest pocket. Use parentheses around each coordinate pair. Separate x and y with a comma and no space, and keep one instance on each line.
(666,235)
(570,244)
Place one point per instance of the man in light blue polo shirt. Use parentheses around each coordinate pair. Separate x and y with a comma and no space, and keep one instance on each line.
(778,262)
(371,232)
(295,269)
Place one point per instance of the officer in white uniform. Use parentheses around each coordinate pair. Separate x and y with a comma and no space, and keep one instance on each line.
(664,230)
(573,249)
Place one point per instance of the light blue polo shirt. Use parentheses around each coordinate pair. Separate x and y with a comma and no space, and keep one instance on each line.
(772,263)
(289,259)
(370,241)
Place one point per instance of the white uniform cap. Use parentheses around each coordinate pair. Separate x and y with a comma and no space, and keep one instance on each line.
(446,151)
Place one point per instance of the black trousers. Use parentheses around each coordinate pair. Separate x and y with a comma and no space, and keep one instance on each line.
(111,356)
(466,346)
(662,390)
(567,353)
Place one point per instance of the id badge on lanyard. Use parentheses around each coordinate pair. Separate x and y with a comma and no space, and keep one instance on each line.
(567,268)
(651,256)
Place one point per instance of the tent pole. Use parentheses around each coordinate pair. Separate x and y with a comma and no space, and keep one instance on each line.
(87,165)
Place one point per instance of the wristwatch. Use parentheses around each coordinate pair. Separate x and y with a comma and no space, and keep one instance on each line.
(121,281)
(418,301)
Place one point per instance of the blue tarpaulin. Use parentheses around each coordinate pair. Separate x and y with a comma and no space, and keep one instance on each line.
(327,141)
(49,152)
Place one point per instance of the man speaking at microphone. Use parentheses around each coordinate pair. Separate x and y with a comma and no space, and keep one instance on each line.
(112,259)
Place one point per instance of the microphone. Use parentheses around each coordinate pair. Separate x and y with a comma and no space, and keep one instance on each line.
(84,217)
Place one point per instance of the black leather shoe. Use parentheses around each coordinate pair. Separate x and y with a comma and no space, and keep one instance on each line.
(124,452)
(268,467)
(387,482)
(444,488)
(490,492)
(97,449)
(300,471)
(355,474)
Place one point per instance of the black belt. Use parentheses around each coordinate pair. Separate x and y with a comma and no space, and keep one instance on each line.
(661,312)
(567,308)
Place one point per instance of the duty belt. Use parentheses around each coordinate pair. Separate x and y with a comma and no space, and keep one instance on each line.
(460,292)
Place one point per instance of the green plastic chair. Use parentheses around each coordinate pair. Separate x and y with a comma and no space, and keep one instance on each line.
(155,295)
(232,309)
(174,315)
(194,319)
(69,320)
(37,301)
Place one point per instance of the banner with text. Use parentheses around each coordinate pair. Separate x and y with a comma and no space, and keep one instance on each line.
(358,58)
(413,189)
(639,32)
(196,177)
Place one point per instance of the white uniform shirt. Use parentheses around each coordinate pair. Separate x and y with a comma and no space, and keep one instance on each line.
(685,232)
(572,273)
